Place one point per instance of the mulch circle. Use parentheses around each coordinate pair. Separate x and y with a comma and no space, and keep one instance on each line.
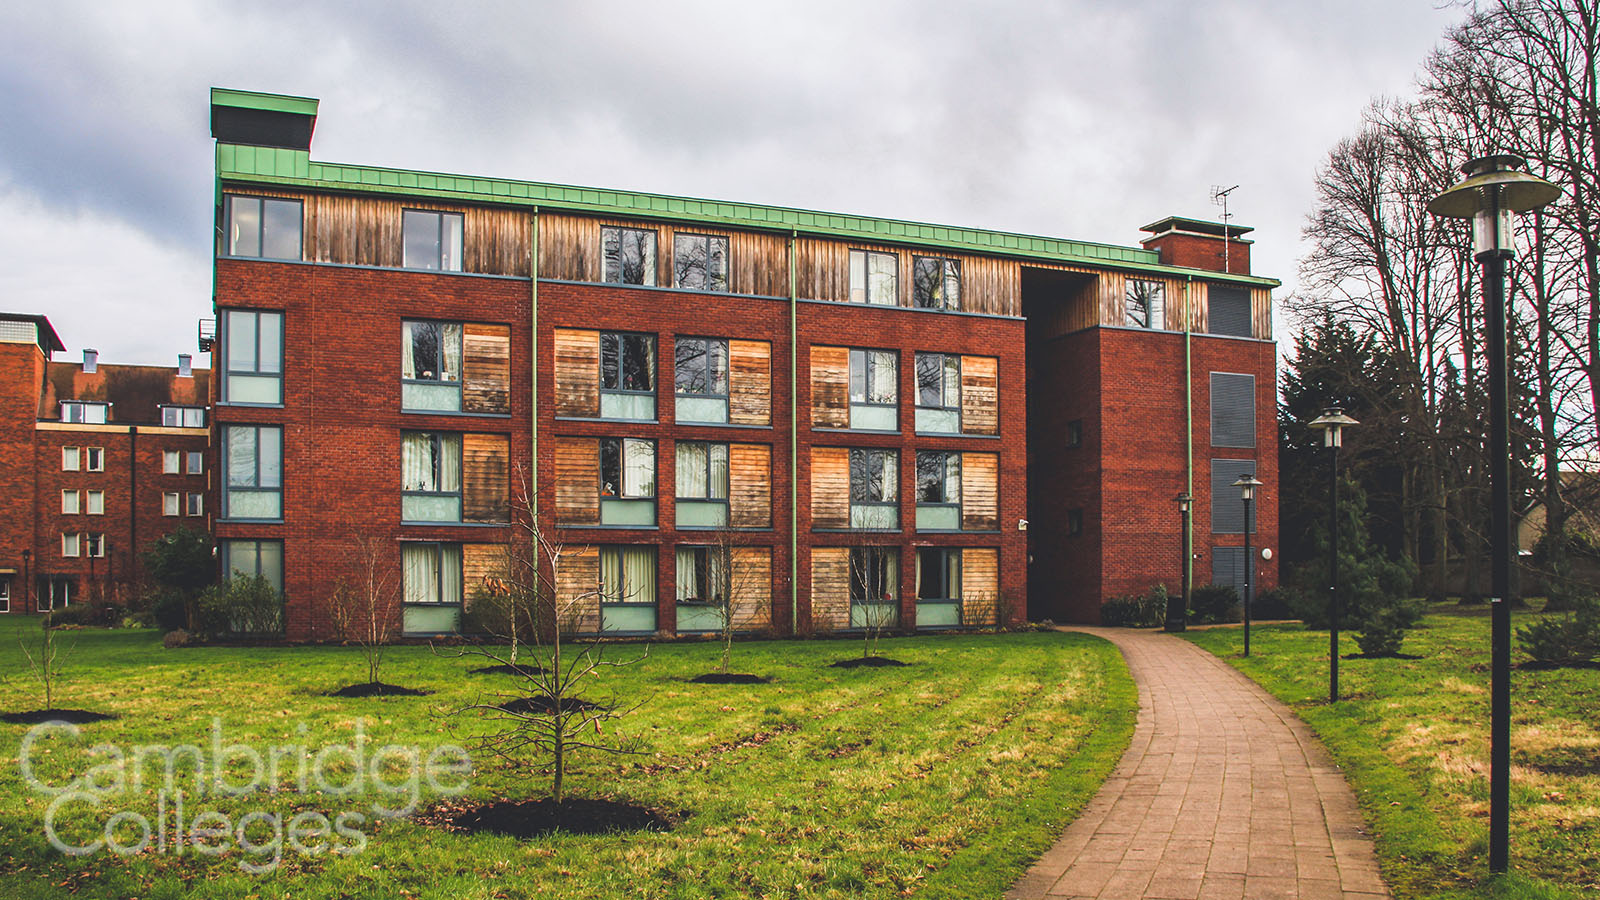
(72,716)
(533,818)
(1535,665)
(729,678)
(1380,656)
(507,669)
(542,705)
(871,662)
(377,689)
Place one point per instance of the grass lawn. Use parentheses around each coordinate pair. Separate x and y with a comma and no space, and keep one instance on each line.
(1413,738)
(944,778)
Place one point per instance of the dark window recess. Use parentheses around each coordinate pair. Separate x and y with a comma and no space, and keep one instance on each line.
(872,476)
(627,362)
(873,574)
(1075,433)
(1229,311)
(1233,410)
(1227,510)
(700,262)
(1074,522)
(936,282)
(629,255)
(938,476)
(1227,567)
(701,366)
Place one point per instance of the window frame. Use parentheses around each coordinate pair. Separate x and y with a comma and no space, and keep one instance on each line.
(1151,309)
(94,459)
(705,262)
(194,504)
(653,361)
(436,456)
(94,544)
(869,297)
(710,467)
(172,462)
(949,272)
(621,456)
(870,566)
(648,266)
(76,412)
(226,480)
(440,257)
(171,503)
(71,502)
(194,462)
(229,372)
(442,327)
(94,502)
(437,548)
(179,413)
(225,550)
(229,242)
(881,459)
(71,545)
(709,368)
(71,459)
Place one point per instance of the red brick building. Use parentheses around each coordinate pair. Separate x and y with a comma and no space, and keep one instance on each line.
(96,461)
(887,421)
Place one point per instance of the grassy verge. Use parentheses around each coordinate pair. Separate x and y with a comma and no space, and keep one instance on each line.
(1412,736)
(941,779)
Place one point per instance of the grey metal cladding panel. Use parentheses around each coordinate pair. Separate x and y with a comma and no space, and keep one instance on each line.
(1227,567)
(1229,310)
(1233,410)
(1227,510)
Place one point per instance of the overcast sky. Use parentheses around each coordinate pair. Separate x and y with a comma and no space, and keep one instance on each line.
(1083,119)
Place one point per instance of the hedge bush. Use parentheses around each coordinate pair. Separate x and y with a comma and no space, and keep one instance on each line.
(1145,610)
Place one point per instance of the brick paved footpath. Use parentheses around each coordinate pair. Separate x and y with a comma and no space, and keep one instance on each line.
(1224,794)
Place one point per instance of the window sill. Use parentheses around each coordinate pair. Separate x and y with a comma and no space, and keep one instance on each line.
(443,524)
(243,405)
(227,521)
(856,530)
(956,434)
(604,419)
(857,430)
(720,425)
(453,413)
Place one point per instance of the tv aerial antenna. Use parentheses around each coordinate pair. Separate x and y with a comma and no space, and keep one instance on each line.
(1219,196)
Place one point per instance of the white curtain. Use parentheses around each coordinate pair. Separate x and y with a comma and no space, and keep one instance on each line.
(638,575)
(638,468)
(421,573)
(450,573)
(952,382)
(416,462)
(882,389)
(891,476)
(691,470)
(952,478)
(611,576)
(719,472)
(688,576)
(452,353)
(408,350)
(450,463)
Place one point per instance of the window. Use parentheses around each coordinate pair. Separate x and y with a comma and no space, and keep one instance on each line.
(627,376)
(5,594)
(431,477)
(254,457)
(938,490)
(935,282)
(874,583)
(56,594)
(1146,304)
(252,368)
(432,590)
(702,485)
(938,393)
(702,576)
(262,227)
(1075,433)
(169,503)
(701,379)
(94,459)
(873,390)
(627,481)
(171,462)
(873,476)
(263,558)
(69,503)
(94,503)
(94,546)
(430,366)
(1227,507)
(1233,410)
(629,255)
(1227,567)
(874,278)
(699,262)
(78,412)
(183,416)
(196,505)
(1229,310)
(70,459)
(197,462)
(1074,522)
(71,545)
(938,588)
(628,589)
(432,240)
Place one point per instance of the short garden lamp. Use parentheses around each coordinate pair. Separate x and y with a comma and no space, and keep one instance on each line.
(1178,608)
(1493,192)
(1247,485)
(1332,423)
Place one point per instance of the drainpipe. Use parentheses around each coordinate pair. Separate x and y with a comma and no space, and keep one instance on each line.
(1188,415)
(533,368)
(794,444)
(133,500)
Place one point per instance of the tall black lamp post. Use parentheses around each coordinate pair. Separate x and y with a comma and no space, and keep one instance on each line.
(1178,613)
(1332,423)
(1247,485)
(1493,192)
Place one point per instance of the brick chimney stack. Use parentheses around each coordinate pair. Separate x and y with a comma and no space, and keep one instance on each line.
(1198,244)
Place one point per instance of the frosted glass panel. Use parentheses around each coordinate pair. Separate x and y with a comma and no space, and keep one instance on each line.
(701,514)
(627,512)
(939,421)
(627,406)
(700,618)
(438,619)
(254,389)
(938,518)
(445,397)
(699,409)
(629,617)
(430,509)
(877,418)
(879,615)
(254,504)
(938,615)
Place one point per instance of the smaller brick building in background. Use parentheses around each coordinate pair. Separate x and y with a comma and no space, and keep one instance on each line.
(96,461)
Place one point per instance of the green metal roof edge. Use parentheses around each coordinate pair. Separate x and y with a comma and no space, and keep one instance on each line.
(268,165)
(305,106)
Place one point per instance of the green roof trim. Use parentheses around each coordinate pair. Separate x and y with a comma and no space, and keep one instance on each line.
(294,168)
(304,106)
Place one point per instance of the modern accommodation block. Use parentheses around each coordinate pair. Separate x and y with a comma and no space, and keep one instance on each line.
(887,421)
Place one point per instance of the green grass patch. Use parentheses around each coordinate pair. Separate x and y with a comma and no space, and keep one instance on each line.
(945,778)
(1413,739)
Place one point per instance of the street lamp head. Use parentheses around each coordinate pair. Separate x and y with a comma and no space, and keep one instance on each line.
(1183,501)
(1492,193)
(1247,485)
(1332,423)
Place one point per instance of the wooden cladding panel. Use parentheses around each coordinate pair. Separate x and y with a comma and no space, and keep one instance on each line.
(980,491)
(577,481)
(758,263)
(570,250)
(749,382)
(988,284)
(980,585)
(749,485)
(830,387)
(486,369)
(980,395)
(830,487)
(479,564)
(577,372)
(485,481)
(1261,313)
(578,591)
(752,588)
(830,588)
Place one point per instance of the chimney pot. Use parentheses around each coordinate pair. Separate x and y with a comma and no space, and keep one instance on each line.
(185,368)
(90,359)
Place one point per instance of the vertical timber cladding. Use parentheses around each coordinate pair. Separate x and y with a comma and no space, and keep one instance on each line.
(569,250)
(980,585)
(830,489)
(830,588)
(479,564)
(749,382)
(486,369)
(752,588)
(577,364)
(750,486)
(980,492)
(830,387)
(980,395)
(485,482)
(988,284)
(577,465)
(577,575)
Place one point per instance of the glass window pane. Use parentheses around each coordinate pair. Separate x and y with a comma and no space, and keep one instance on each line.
(244,226)
(241,336)
(242,455)
(858,276)
(610,467)
(639,362)
(271,443)
(421,350)
(271,337)
(610,360)
(691,469)
(450,348)
(717,265)
(858,376)
(280,229)
(952,284)
(883,377)
(930,379)
(639,468)
(927,282)
(420,239)
(691,366)
(882,278)
(689,260)
(718,462)
(719,367)
(451,223)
